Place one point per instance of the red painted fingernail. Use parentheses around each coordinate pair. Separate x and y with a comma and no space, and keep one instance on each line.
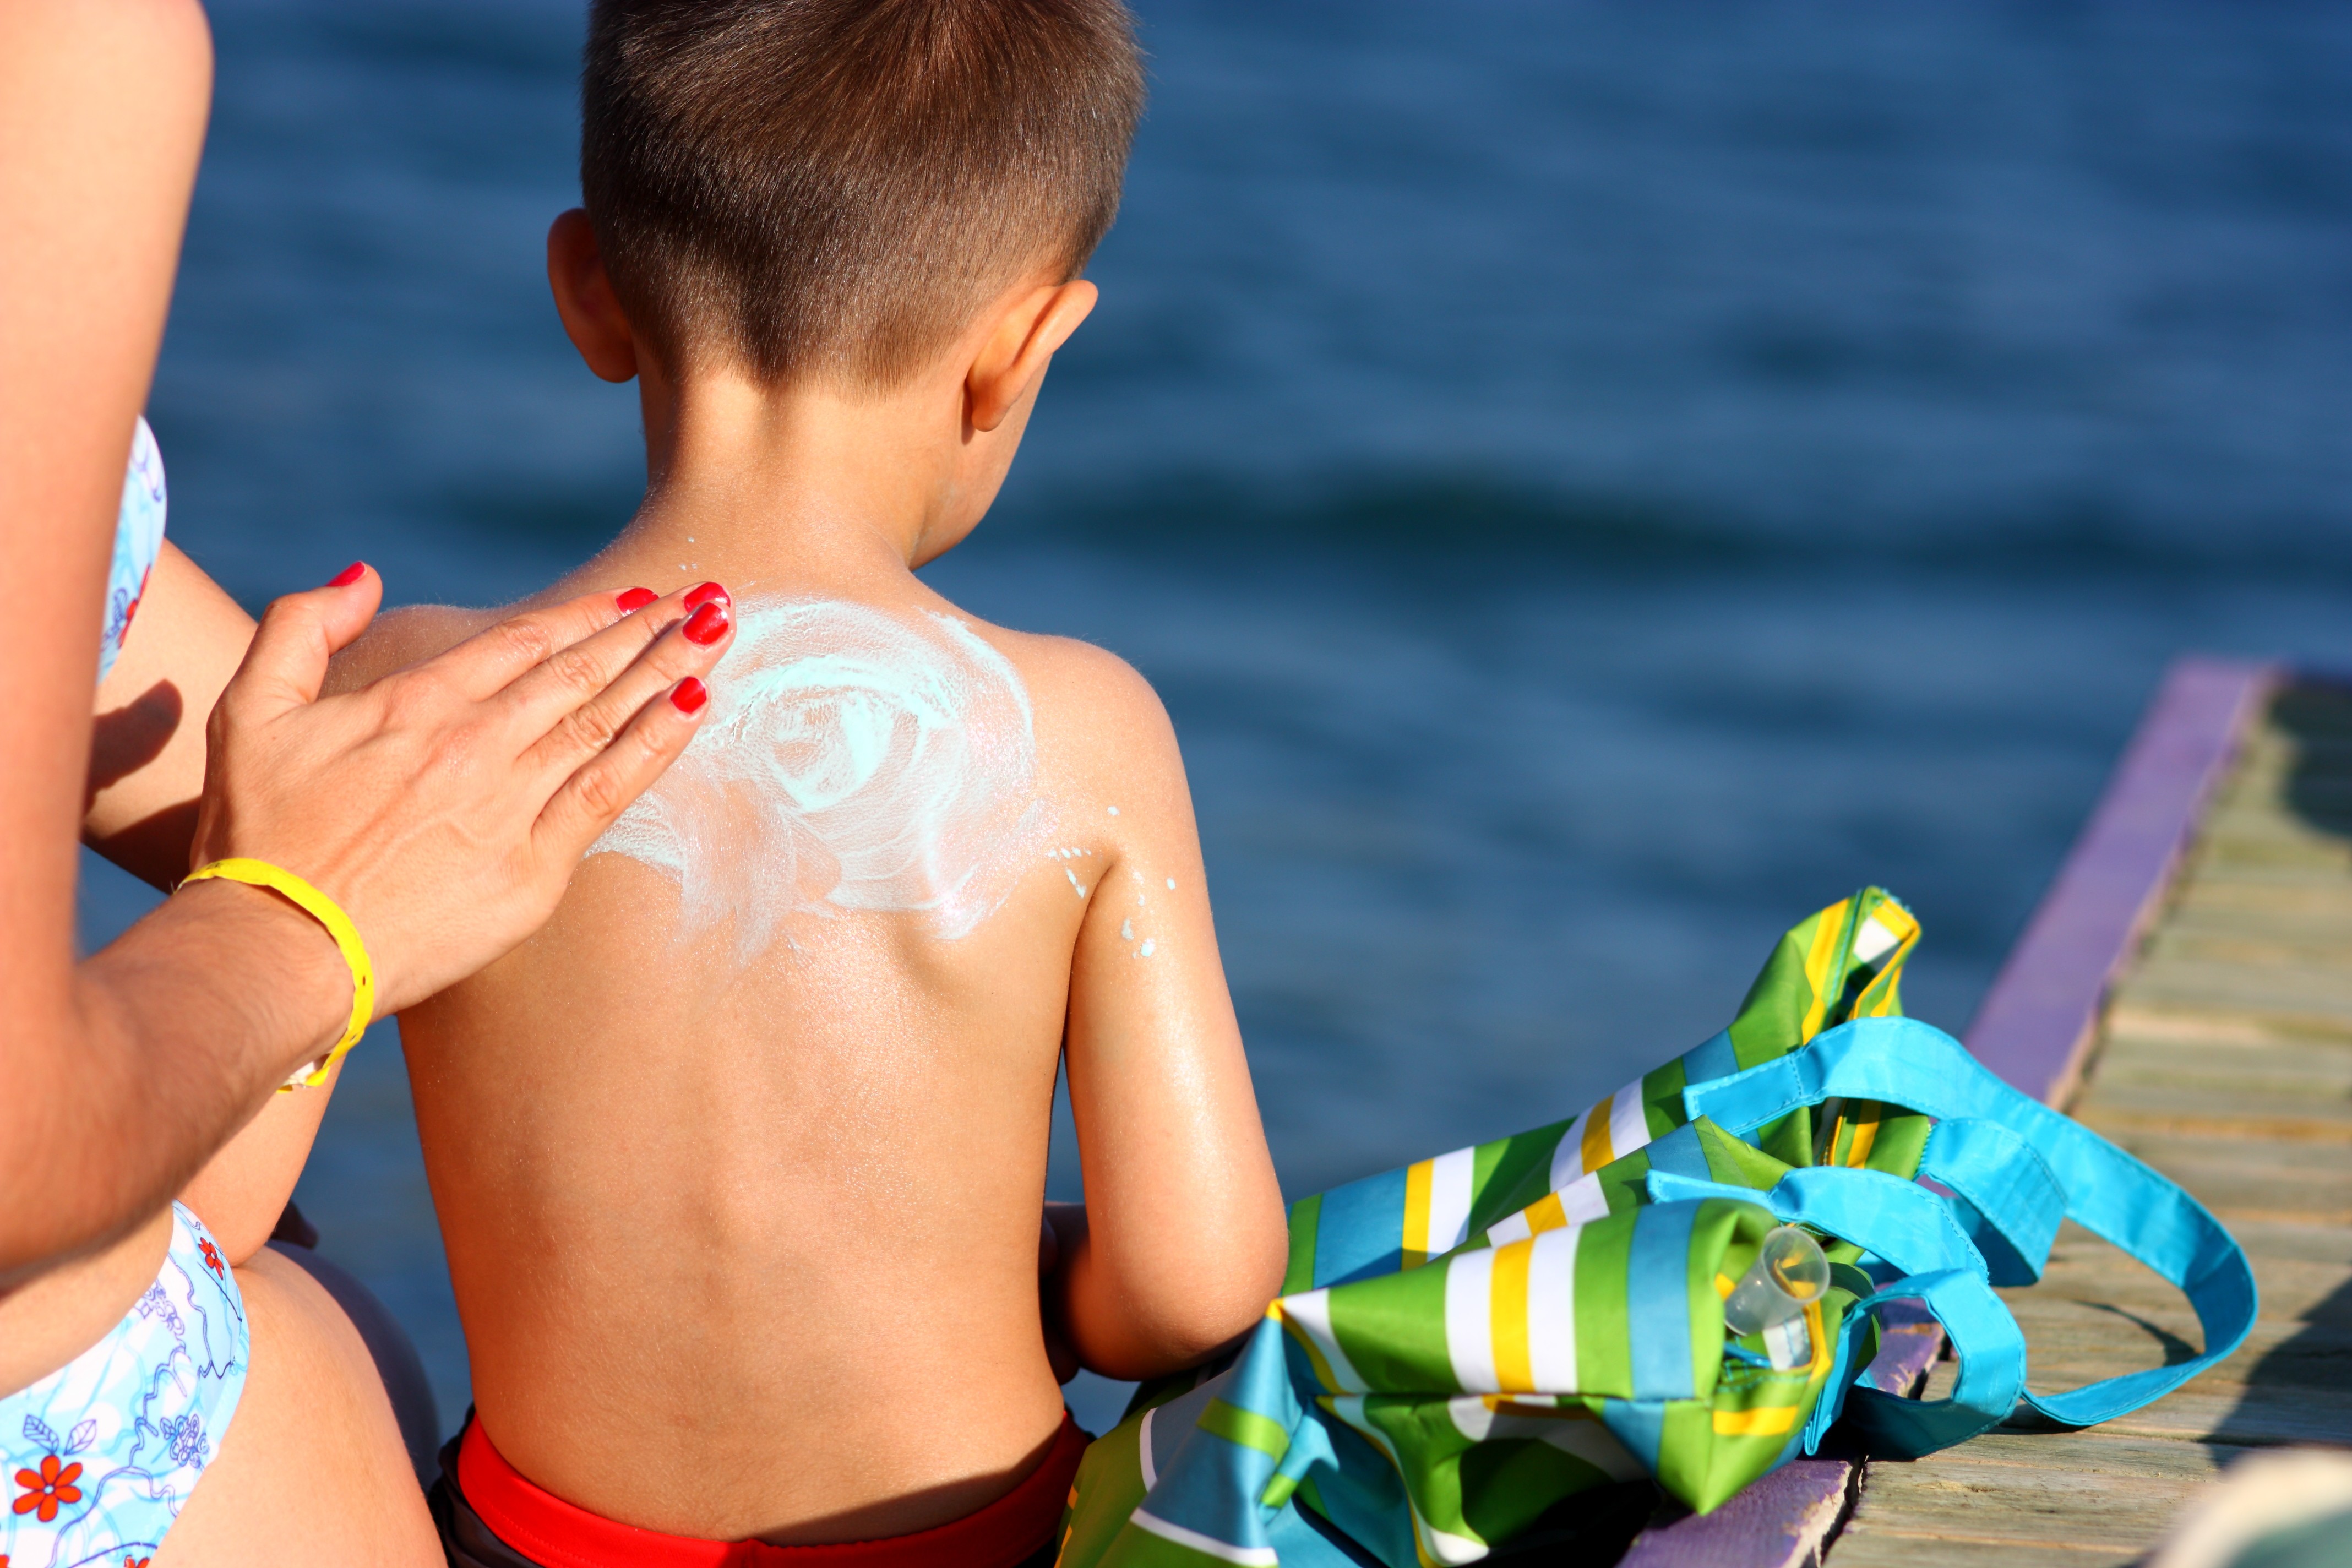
(635,599)
(688,695)
(697,598)
(348,575)
(706,625)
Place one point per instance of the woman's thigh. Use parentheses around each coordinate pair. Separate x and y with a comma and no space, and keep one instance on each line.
(311,1469)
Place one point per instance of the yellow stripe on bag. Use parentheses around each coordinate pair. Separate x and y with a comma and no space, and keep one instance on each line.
(1827,937)
(1771,1421)
(1865,1133)
(1507,1307)
(1416,1241)
(1595,1151)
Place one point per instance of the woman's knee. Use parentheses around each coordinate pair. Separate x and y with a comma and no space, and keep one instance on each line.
(397,1364)
(313,1468)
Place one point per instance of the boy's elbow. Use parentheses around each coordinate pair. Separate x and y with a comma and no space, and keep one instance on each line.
(1221,1304)
(1222,1315)
(1251,1277)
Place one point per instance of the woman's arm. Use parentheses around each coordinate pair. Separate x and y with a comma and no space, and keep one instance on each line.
(489,769)
(146,776)
(101,119)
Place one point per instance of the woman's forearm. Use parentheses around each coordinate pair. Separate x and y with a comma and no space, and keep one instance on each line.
(167,1041)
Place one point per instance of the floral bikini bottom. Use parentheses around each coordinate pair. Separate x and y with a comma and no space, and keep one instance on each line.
(99,1456)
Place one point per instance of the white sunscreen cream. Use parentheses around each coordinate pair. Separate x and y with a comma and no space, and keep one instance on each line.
(852,759)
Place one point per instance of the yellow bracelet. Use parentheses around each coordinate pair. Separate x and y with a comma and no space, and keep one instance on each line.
(328,913)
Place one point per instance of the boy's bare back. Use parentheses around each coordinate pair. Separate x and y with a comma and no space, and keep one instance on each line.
(739,1161)
(739,1172)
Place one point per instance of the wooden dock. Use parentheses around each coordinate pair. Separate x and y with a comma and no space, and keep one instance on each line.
(2185,989)
(2223,1057)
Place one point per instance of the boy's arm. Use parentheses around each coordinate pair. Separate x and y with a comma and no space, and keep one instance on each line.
(1183,1241)
(147,744)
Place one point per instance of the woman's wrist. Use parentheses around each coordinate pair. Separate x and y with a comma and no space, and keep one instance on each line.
(182,1028)
(277,971)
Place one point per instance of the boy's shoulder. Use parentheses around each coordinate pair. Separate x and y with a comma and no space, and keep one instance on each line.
(409,635)
(1081,673)
(1102,700)
(1092,708)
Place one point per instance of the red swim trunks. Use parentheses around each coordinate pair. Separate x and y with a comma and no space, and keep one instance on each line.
(491,1517)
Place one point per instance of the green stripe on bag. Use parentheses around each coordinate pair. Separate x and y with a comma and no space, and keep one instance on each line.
(1246,1427)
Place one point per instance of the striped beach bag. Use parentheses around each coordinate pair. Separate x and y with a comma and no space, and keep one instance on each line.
(1477,1351)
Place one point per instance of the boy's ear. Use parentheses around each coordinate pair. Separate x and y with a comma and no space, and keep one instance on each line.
(1013,358)
(593,317)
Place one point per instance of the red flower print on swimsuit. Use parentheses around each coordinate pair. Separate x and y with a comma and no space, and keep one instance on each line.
(49,1487)
(211,1255)
(127,1563)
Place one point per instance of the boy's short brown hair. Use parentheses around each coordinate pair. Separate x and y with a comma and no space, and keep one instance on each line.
(829,189)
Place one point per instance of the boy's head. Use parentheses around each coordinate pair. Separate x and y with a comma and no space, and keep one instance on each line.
(830,190)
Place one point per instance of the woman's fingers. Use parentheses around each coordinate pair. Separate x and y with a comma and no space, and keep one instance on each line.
(488,769)
(489,663)
(681,647)
(595,795)
(287,661)
(564,695)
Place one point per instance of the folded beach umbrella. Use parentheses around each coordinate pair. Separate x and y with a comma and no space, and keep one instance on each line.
(1680,1284)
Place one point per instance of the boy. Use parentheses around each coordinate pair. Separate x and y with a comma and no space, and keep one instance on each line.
(738,1162)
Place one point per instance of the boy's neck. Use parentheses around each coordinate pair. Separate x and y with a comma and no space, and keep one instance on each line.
(837,484)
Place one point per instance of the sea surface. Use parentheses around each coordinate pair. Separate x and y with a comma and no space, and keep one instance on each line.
(1593,483)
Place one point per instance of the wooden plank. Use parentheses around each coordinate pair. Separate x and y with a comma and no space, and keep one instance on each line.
(2076,1499)
(2257,1417)
(2250,1065)
(2197,1018)
(1876,1548)
(2021,1505)
(2036,1022)
(2208,1409)
(2186,1110)
(2306,1242)
(2294,1290)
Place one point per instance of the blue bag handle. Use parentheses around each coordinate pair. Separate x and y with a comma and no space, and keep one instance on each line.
(1992,1353)
(1900,1221)
(2108,1193)
(1917,1232)
(2003,1193)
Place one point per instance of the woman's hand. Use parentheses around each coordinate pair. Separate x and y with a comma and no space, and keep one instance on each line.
(445,806)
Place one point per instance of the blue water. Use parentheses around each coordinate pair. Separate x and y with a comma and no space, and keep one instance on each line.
(1593,483)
